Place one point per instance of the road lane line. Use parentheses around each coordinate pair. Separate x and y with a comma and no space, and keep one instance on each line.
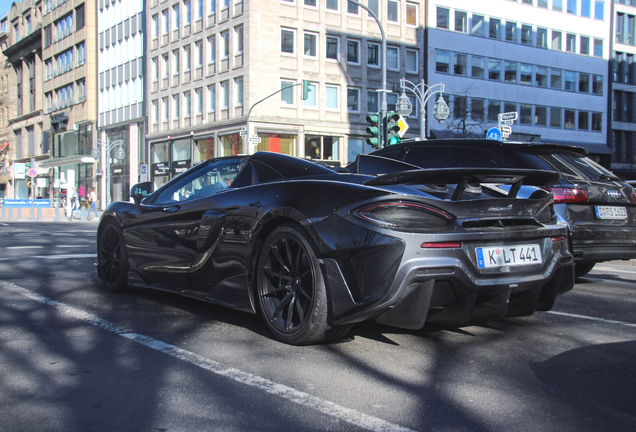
(585,317)
(612,269)
(74,246)
(25,247)
(65,256)
(324,406)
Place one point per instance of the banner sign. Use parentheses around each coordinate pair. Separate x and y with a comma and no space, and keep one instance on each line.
(25,203)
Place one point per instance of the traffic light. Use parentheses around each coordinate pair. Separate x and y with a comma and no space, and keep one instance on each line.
(392,128)
(306,90)
(375,135)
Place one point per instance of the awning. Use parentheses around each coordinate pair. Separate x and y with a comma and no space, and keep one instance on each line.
(4,146)
(67,160)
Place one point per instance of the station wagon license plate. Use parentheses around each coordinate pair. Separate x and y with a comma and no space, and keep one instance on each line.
(608,212)
(499,256)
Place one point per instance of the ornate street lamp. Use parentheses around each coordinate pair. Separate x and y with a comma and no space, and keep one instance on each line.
(423,93)
(109,146)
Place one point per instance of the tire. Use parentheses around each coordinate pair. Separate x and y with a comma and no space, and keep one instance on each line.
(111,258)
(290,287)
(581,269)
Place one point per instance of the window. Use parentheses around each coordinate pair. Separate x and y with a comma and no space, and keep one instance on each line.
(165,109)
(238,86)
(175,62)
(570,43)
(186,58)
(79,17)
(239,41)
(542,37)
(572,6)
(570,81)
(459,106)
(411,14)
(568,119)
(443,18)
(411,61)
(200,17)
(586,8)
(155,69)
(310,47)
(525,114)
(541,77)
(598,48)
(165,65)
(597,84)
(584,45)
(494,28)
(525,74)
(155,26)
(373,102)
(212,98)
(374,6)
(557,5)
(353,100)
(511,31)
(352,8)
(176,19)
(392,10)
(526,34)
(211,50)
(155,112)
(555,79)
(599,8)
(478,25)
(176,108)
(310,3)
(287,41)
(332,4)
(212,9)
(555,117)
(188,12)
(461,22)
(542,4)
(494,108)
(333,46)
(540,116)
(310,102)
(198,46)
(225,92)
(287,95)
(584,119)
(477,67)
(393,58)
(597,120)
(81,54)
(494,70)
(353,51)
(477,109)
(584,83)
(459,64)
(225,44)
(332,97)
(442,61)
(556,40)
(510,74)
(166,22)
(188,103)
(373,54)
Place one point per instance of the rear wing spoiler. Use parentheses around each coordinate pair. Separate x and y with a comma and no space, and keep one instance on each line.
(390,172)
(538,149)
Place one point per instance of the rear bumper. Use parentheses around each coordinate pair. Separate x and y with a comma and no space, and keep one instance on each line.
(445,286)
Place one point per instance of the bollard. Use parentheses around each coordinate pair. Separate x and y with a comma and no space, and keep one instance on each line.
(39,214)
(9,214)
(4,213)
(57,214)
(83,213)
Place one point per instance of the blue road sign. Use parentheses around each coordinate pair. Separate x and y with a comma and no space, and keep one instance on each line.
(493,134)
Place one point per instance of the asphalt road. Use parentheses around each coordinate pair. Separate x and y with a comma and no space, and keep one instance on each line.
(76,358)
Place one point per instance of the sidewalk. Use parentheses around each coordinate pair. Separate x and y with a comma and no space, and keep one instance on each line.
(58,215)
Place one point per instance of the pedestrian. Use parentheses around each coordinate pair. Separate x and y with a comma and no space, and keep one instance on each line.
(73,205)
(92,201)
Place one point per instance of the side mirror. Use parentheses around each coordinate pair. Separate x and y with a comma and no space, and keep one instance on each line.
(140,191)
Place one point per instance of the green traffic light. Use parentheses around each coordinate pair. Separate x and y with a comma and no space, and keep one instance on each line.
(374,131)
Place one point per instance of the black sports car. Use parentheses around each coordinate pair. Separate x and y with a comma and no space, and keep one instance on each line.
(314,251)
(598,207)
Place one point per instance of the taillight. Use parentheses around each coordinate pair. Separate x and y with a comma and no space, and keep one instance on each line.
(557,238)
(442,245)
(404,216)
(568,195)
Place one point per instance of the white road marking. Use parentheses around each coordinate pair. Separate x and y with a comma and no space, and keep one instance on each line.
(4,224)
(613,269)
(25,247)
(74,246)
(585,317)
(324,406)
(65,256)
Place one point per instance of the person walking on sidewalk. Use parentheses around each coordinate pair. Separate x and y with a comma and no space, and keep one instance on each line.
(74,205)
(92,200)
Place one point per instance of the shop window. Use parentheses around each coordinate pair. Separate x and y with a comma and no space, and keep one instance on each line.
(322,147)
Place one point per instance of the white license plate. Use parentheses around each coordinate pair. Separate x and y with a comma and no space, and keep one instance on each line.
(605,212)
(499,256)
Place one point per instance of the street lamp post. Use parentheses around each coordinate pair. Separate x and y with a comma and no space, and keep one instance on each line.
(109,146)
(423,93)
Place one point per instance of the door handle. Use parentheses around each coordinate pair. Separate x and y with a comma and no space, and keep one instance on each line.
(171,209)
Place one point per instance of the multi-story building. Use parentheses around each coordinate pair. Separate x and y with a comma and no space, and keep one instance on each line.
(210,62)
(622,136)
(69,41)
(5,102)
(545,59)
(121,65)
(25,119)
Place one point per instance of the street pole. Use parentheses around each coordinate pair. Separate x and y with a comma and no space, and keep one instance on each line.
(383,105)
(423,95)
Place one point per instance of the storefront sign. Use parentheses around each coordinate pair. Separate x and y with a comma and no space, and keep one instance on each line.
(27,122)
(25,203)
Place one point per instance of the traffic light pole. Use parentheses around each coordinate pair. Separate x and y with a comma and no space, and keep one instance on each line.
(383,105)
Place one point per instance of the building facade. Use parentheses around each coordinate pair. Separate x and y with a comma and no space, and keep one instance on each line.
(68,40)
(6,181)
(121,93)
(208,64)
(545,59)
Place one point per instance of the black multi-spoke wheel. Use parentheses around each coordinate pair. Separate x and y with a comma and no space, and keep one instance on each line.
(291,289)
(111,256)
